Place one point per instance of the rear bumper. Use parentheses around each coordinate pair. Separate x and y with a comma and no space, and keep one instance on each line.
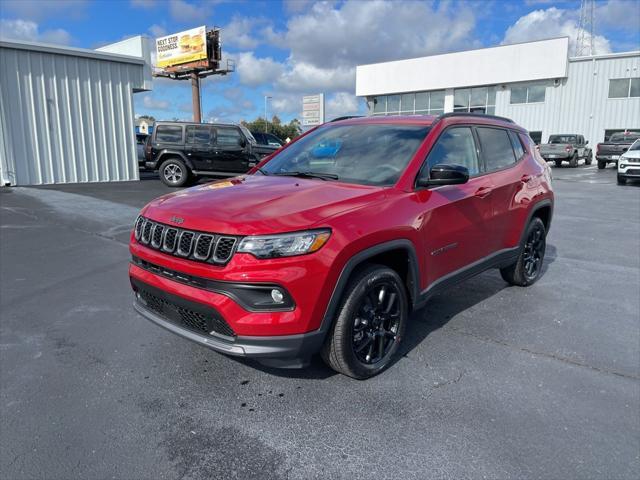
(285,351)
(607,158)
(555,156)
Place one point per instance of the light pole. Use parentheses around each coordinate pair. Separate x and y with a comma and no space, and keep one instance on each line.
(266,125)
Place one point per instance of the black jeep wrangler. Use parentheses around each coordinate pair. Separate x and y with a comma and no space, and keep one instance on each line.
(182,151)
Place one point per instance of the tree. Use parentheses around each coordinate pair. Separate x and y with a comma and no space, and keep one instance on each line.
(275,126)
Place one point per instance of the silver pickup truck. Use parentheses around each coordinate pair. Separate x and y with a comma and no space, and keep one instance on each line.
(567,148)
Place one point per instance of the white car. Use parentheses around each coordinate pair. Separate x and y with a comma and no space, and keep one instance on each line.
(629,163)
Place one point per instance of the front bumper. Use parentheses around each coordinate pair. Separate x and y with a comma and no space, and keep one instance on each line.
(175,314)
(630,170)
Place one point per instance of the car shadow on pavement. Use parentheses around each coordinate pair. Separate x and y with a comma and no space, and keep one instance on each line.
(434,315)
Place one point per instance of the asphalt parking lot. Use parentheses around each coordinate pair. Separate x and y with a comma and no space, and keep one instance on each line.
(494,382)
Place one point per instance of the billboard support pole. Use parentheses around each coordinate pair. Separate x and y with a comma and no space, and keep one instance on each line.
(195,97)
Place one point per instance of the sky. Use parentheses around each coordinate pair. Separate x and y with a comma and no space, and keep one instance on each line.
(287,49)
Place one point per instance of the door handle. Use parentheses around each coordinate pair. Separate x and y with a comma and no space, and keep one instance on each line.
(525,178)
(483,192)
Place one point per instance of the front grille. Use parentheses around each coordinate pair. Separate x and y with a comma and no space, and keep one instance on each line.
(632,171)
(205,321)
(203,247)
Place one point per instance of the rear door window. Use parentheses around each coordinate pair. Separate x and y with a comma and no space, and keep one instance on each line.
(496,146)
(169,133)
(199,134)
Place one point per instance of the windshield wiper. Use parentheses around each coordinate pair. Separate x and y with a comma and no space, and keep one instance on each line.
(262,171)
(323,176)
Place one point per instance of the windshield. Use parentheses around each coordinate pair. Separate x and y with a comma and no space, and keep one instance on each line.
(635,146)
(362,154)
(562,139)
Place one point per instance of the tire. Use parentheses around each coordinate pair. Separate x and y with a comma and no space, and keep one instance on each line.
(355,335)
(589,158)
(558,163)
(174,173)
(621,180)
(573,161)
(521,273)
(601,165)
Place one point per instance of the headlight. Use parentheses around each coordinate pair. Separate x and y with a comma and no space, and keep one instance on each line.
(284,245)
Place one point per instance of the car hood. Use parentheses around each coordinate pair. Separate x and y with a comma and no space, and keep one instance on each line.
(258,204)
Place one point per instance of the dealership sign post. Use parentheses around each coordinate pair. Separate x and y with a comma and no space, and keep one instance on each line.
(313,110)
(191,55)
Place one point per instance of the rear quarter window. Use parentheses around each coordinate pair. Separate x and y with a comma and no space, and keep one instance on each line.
(169,134)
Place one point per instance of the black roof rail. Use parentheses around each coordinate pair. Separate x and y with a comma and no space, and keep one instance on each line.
(346,117)
(471,114)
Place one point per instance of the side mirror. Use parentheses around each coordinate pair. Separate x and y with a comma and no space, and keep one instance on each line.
(445,175)
(242,142)
(586,142)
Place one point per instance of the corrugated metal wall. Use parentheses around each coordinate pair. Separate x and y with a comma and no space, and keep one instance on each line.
(66,118)
(580,103)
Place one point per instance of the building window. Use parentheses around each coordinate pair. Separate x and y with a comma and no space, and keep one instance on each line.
(477,100)
(527,94)
(624,87)
(422,103)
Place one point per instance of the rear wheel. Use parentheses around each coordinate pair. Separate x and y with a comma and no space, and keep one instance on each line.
(174,173)
(601,165)
(589,159)
(558,163)
(527,268)
(370,324)
(573,162)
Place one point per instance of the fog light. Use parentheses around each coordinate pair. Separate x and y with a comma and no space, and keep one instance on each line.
(277,296)
(622,165)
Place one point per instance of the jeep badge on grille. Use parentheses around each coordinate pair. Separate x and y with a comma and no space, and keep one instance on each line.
(177,220)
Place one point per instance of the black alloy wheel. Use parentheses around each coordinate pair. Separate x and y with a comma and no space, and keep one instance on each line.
(376,323)
(533,255)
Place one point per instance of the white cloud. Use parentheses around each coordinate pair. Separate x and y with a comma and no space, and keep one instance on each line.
(552,22)
(237,33)
(155,104)
(28,30)
(257,71)
(342,103)
(186,12)
(620,14)
(305,77)
(296,6)
(157,30)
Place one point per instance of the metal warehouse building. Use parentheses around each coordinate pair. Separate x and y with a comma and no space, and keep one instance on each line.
(66,114)
(536,84)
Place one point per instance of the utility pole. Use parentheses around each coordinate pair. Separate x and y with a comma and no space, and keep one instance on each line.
(195,97)
(266,124)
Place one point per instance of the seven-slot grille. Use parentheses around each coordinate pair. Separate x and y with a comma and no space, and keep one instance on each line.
(203,247)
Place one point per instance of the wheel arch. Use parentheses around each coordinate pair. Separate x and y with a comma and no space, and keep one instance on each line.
(399,255)
(166,154)
(544,211)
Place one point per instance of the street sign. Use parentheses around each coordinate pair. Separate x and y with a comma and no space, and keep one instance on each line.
(313,110)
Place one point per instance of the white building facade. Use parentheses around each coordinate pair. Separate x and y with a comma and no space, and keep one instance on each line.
(67,115)
(535,83)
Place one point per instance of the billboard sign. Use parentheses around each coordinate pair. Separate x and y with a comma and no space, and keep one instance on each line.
(184,47)
(313,110)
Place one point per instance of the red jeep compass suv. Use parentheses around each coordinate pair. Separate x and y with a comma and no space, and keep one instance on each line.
(329,244)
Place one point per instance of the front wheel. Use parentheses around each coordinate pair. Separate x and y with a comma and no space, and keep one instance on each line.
(527,268)
(370,324)
(174,173)
(621,180)
(589,159)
